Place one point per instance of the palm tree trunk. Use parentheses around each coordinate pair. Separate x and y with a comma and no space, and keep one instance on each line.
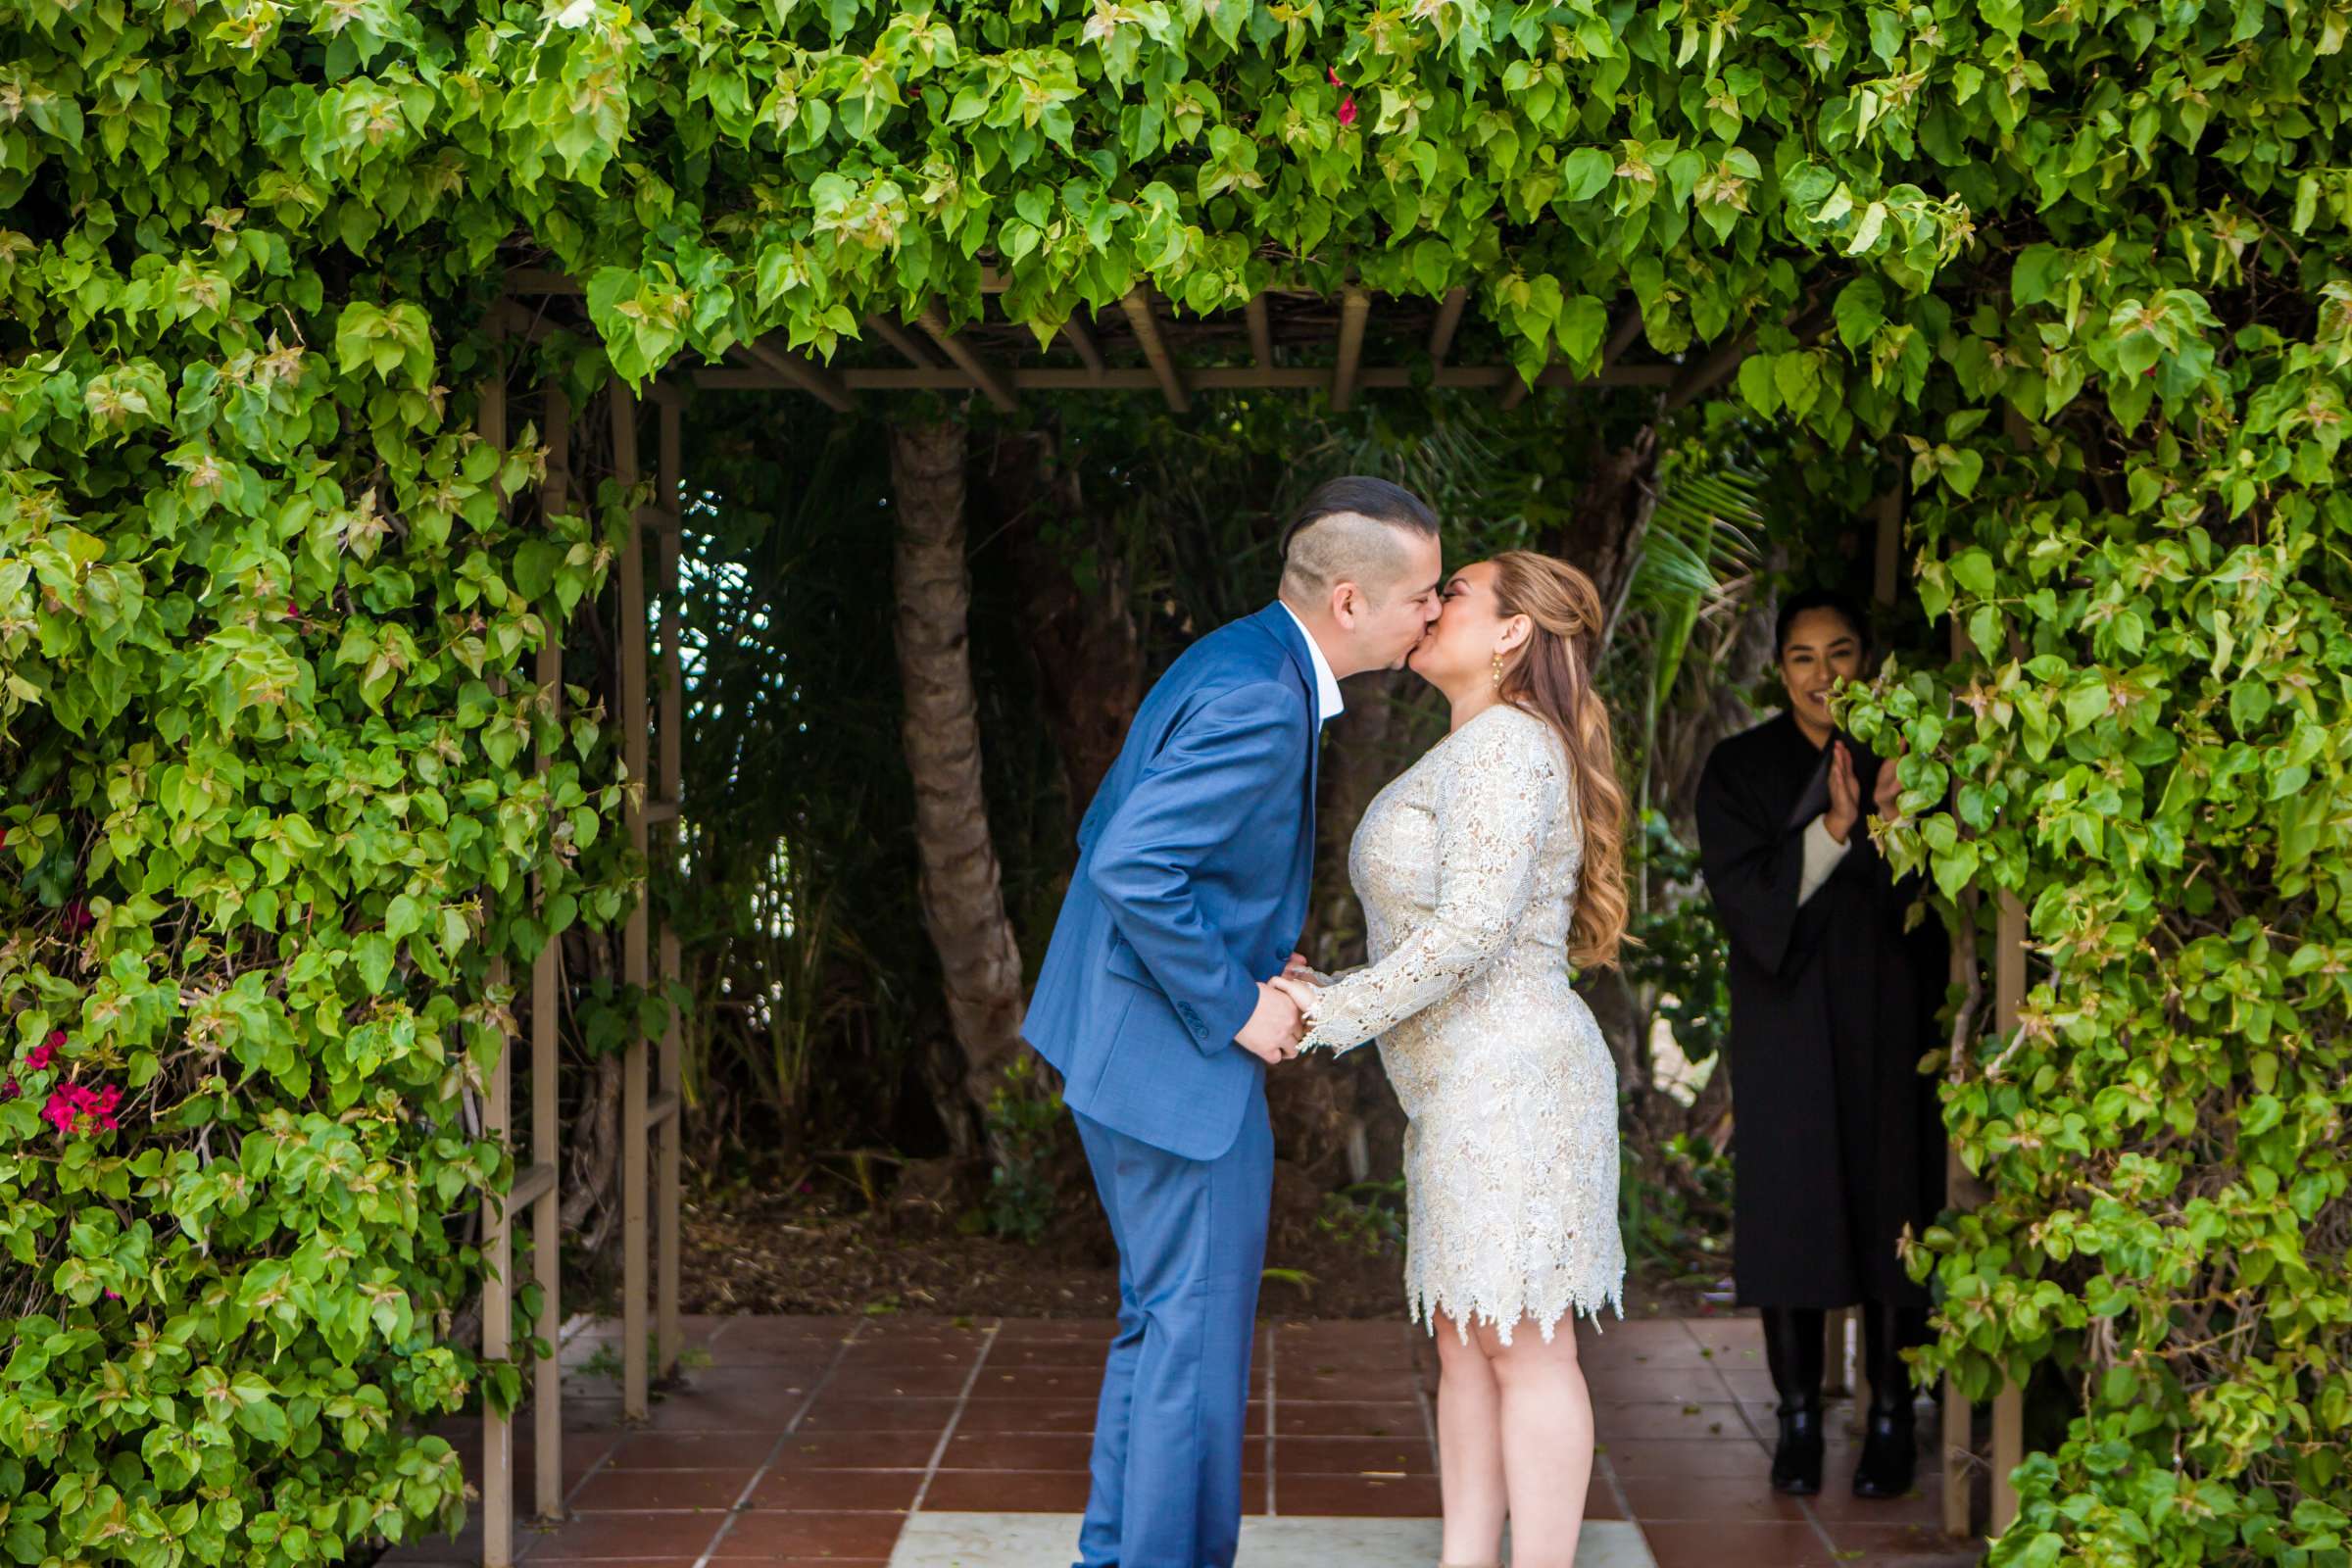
(961,890)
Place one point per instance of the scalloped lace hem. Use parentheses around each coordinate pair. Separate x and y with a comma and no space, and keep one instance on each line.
(1428,1304)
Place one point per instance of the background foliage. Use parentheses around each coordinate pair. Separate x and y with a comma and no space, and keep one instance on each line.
(2081,270)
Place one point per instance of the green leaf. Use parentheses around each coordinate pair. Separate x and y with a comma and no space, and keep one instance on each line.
(1860,310)
(1587,173)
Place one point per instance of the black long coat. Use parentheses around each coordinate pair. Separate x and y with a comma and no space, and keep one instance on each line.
(1837,1140)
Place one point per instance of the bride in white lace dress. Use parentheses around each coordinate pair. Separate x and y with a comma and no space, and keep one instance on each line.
(1484,870)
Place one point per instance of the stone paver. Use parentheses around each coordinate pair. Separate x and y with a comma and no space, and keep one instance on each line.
(882,1443)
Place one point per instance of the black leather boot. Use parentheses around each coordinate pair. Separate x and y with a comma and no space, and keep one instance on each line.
(1792,1349)
(1890,1443)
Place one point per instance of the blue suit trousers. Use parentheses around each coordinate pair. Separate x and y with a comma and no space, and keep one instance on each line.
(1191,1238)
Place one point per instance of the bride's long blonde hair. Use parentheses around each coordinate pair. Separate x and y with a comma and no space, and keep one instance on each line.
(1550,678)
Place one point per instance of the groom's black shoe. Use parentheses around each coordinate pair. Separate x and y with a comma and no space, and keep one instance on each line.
(1793,1350)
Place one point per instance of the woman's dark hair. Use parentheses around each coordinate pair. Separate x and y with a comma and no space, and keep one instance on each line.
(1841,603)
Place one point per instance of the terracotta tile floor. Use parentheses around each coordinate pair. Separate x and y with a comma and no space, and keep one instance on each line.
(805,1440)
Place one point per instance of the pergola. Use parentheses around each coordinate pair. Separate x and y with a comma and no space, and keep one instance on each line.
(1279,341)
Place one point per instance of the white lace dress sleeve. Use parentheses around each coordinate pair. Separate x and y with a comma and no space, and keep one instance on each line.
(1467,867)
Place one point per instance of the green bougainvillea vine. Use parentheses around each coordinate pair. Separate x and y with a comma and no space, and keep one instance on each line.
(267,607)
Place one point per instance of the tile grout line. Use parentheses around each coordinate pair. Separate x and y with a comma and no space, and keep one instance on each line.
(564,1336)
(1804,1504)
(939,1450)
(1273,1340)
(743,1500)
(1602,1461)
(1428,1417)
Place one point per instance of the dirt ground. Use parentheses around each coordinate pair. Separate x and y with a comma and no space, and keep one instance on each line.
(766,1252)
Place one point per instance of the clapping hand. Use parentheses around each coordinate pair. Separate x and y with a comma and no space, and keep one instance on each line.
(1845,794)
(1887,792)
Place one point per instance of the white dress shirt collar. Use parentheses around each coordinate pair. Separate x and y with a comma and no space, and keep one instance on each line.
(1329,703)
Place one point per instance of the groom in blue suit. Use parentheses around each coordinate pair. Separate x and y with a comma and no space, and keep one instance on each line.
(1194,863)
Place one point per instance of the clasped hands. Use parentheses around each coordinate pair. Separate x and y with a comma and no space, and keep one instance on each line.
(1279,1022)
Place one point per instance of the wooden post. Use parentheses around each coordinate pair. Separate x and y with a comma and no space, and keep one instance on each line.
(1959,1436)
(1887,511)
(635,970)
(547,969)
(671,778)
(2009,1405)
(497,1287)
(1849,1368)
(2008,1002)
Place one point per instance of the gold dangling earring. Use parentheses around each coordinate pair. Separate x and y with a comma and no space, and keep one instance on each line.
(1499,672)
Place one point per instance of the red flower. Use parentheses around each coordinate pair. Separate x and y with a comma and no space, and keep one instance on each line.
(77,917)
(73,1108)
(293,610)
(3,838)
(1347,110)
(1334,75)
(42,1054)
(8,1090)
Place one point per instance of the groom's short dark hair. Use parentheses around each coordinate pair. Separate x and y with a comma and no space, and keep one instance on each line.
(1364,497)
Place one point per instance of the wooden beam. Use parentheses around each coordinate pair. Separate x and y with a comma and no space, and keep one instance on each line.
(1210,378)
(1516,389)
(1449,321)
(1261,332)
(1082,342)
(803,372)
(543,280)
(899,338)
(1622,335)
(984,376)
(1356,306)
(1142,315)
(1698,379)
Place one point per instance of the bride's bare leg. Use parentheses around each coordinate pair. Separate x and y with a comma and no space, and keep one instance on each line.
(1470,1475)
(1546,1441)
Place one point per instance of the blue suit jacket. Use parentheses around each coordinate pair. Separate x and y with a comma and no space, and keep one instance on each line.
(1194,869)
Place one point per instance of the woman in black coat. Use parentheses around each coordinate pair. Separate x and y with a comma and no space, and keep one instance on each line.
(1837,1145)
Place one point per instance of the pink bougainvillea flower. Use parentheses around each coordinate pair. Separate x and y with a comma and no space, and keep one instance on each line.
(1334,75)
(77,1108)
(77,917)
(3,838)
(8,1090)
(40,1056)
(114,1295)
(1347,110)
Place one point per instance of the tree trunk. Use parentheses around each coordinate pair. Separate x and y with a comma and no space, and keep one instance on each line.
(1598,535)
(961,890)
(1074,611)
